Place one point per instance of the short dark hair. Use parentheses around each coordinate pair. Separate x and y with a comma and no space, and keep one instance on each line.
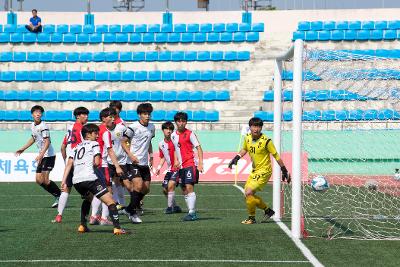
(106,112)
(255,121)
(144,108)
(89,128)
(37,107)
(181,116)
(34,10)
(115,104)
(167,125)
(80,110)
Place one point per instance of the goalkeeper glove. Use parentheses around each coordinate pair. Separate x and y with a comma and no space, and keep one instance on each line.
(285,174)
(234,161)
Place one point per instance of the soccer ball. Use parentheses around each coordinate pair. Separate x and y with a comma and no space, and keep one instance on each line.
(396,175)
(319,183)
(371,185)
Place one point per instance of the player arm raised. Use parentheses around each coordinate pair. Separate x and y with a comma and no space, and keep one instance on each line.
(126,148)
(30,142)
(271,148)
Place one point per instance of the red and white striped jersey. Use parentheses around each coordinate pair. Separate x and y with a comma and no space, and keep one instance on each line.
(184,143)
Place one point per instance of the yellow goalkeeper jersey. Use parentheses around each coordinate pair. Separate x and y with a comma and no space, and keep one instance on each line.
(259,151)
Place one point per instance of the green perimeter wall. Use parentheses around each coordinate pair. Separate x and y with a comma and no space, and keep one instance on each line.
(347,152)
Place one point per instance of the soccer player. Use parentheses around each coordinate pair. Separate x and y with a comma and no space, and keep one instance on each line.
(184,141)
(139,134)
(259,147)
(46,157)
(107,151)
(85,158)
(72,138)
(171,178)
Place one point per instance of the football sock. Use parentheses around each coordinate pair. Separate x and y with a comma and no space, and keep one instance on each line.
(141,196)
(62,202)
(85,211)
(114,215)
(171,199)
(251,205)
(95,206)
(191,202)
(104,211)
(260,203)
(52,188)
(135,202)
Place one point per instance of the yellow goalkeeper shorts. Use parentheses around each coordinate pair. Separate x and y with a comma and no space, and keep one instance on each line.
(257,181)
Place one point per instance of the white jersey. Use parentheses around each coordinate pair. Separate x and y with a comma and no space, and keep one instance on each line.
(83,155)
(41,132)
(105,143)
(116,139)
(140,138)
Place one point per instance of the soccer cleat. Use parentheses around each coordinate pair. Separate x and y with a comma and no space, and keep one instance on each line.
(268,213)
(250,220)
(169,210)
(57,219)
(120,231)
(190,217)
(177,209)
(135,219)
(105,221)
(120,207)
(123,212)
(94,220)
(83,229)
(55,204)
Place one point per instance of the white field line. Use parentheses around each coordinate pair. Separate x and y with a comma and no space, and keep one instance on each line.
(155,209)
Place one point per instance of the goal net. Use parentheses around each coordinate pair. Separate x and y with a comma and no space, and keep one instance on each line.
(351,138)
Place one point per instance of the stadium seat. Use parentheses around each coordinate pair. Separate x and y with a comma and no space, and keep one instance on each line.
(264,115)
(311,36)
(193,75)
(23,95)
(213,37)
(287,95)
(355,115)
(180,28)
(354,25)
(131,115)
(94,115)
(180,75)
(114,28)
(61,76)
(368,25)
(233,75)
(206,75)
(167,28)
(154,76)
(350,35)
(243,55)
(363,35)
(322,95)
(130,96)
(211,116)
(111,56)
(56,38)
(117,95)
(244,27)
(389,34)
(299,35)
(174,37)
(125,56)
(101,76)
(195,96)
(72,57)
(138,56)
(324,35)
(16,37)
(252,37)
(10,28)
(376,35)
(232,27)
(148,38)
(370,114)
(19,56)
(381,25)
(226,37)
(161,37)
(220,75)
(109,38)
(394,24)
(342,25)
(95,38)
(88,28)
(193,27)
(75,28)
(141,28)
(49,95)
(29,37)
(257,27)
(75,76)
(182,96)
(385,114)
(199,115)
(342,115)
(151,56)
(48,76)
(203,55)
(103,96)
(268,96)
(219,27)
(222,95)
(21,76)
(304,26)
(35,76)
(177,56)
(310,95)
(187,37)
(143,96)
(206,27)
(158,115)
(102,28)
(10,115)
(43,38)
(337,35)
(127,76)
(169,114)
(7,76)
(21,29)
(288,115)
(164,56)
(190,56)
(4,37)
(89,96)
(6,56)
(209,95)
(128,28)
(169,96)
(99,56)
(140,76)
(239,36)
(230,56)
(45,56)
(200,37)
(76,95)
(156,96)
(63,96)
(114,76)
(32,57)
(167,75)
(49,28)
(82,38)
(316,25)
(328,115)
(69,38)
(216,55)
(85,57)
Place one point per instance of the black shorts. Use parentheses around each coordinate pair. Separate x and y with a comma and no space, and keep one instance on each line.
(189,175)
(95,187)
(113,172)
(170,176)
(46,165)
(69,177)
(104,175)
(140,171)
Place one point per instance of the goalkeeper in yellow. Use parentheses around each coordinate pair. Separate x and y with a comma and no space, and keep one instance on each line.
(259,147)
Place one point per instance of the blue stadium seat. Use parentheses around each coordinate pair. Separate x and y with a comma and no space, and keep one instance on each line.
(203,55)
(10,115)
(21,28)
(148,38)
(32,57)
(394,24)
(125,56)
(328,115)
(75,28)
(138,56)
(114,28)
(389,34)
(177,56)
(117,95)
(64,115)
(101,76)
(322,95)
(222,95)
(167,28)
(135,38)
(111,56)
(230,55)
(268,96)
(303,26)
(252,37)
(193,75)
(243,55)
(219,27)
(49,28)
(109,38)
(316,25)
(156,96)
(216,55)
(385,114)
(23,95)
(29,37)
(288,115)
(76,95)
(311,36)
(376,35)
(206,75)
(7,76)
(131,115)
(239,36)
(161,37)
(164,56)
(36,95)
(370,114)
(19,56)
(69,38)
(244,27)
(355,25)
(141,28)
(61,76)
(233,75)
(151,56)
(232,27)
(337,35)
(264,115)
(195,96)
(130,96)
(190,55)
(99,56)
(187,37)
(43,38)
(324,35)
(220,75)
(310,95)
(200,37)
(154,28)
(213,37)
(103,96)
(94,115)
(180,28)
(193,27)
(49,95)
(287,95)
(35,76)
(355,115)
(257,27)
(127,76)
(206,27)
(299,35)
(85,57)
(158,115)
(72,57)
(82,38)
(114,76)
(227,37)
(21,76)
(95,38)
(63,96)
(75,76)
(363,35)
(209,95)
(169,114)
(4,37)
(16,37)
(342,115)
(342,25)
(6,56)
(140,76)
(174,37)
(51,115)
(143,96)
(56,38)
(10,28)
(211,115)
(128,28)
(350,35)
(381,25)
(88,96)
(199,115)
(368,25)
(102,28)
(169,96)
(45,56)
(180,75)
(182,96)
(154,76)
(167,75)
(88,28)
(307,116)
(48,76)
